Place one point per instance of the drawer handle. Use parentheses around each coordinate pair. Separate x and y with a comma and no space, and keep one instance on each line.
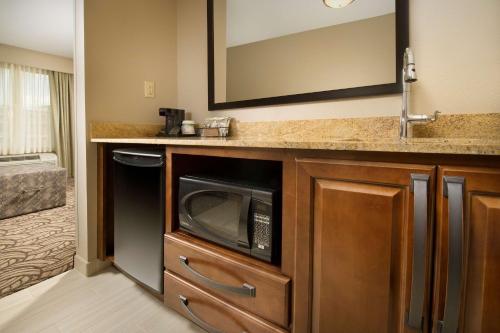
(453,188)
(198,321)
(245,290)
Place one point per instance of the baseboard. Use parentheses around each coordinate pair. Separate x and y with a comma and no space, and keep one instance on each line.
(89,268)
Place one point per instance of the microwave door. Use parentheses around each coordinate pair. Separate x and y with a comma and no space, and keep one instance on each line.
(216,214)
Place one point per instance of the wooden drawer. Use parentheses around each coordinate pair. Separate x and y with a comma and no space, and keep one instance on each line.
(209,312)
(231,277)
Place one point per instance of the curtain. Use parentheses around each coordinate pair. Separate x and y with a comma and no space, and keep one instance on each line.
(61,94)
(25,112)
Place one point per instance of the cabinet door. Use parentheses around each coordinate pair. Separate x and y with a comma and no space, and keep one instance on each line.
(362,247)
(467,273)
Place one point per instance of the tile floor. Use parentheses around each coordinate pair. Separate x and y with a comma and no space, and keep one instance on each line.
(71,302)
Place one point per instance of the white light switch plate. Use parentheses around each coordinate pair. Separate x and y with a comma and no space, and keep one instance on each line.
(149,89)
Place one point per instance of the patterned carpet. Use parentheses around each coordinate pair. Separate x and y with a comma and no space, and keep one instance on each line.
(37,246)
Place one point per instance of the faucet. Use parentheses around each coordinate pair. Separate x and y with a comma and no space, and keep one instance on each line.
(410,76)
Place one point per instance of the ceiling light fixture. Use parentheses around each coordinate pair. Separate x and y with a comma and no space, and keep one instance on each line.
(337,3)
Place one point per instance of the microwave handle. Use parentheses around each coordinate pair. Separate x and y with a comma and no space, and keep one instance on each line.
(243,239)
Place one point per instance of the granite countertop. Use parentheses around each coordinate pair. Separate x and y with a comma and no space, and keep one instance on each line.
(470,134)
(416,145)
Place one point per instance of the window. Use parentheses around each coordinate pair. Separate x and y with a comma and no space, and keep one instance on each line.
(25,110)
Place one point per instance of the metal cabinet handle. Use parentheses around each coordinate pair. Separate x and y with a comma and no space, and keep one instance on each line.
(198,321)
(453,188)
(245,290)
(419,187)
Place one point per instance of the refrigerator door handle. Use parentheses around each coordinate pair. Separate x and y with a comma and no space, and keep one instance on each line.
(140,160)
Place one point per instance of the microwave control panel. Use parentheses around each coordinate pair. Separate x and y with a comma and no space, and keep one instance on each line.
(265,236)
(261,230)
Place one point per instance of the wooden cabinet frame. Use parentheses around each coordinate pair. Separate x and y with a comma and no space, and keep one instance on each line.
(310,171)
(480,284)
(288,204)
(300,168)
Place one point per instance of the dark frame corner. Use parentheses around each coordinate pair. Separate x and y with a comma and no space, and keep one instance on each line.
(402,41)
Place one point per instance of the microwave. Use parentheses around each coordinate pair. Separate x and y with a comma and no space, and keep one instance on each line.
(240,216)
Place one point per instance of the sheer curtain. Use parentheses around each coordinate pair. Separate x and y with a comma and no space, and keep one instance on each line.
(61,95)
(25,110)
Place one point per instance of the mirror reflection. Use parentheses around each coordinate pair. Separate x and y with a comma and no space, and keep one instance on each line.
(266,48)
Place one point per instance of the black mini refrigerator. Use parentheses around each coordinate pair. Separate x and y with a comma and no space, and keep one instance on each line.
(139,214)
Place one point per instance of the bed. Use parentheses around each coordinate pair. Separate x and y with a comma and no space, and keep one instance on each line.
(29,188)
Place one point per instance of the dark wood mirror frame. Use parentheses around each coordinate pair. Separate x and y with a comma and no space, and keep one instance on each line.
(381,89)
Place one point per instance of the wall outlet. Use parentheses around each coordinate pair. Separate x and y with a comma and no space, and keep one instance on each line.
(149,89)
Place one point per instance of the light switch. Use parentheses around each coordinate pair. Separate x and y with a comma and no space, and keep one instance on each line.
(149,89)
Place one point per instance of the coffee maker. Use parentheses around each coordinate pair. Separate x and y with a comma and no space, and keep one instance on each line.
(173,121)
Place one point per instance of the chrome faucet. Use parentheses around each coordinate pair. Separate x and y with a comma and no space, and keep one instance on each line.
(410,76)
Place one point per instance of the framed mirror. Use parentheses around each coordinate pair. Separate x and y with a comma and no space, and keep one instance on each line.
(267,52)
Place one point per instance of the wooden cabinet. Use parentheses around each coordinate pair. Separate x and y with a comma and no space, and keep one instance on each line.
(367,246)
(467,273)
(364,257)
(251,285)
(356,224)
(210,312)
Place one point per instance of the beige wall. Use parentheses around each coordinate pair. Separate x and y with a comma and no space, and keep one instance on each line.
(455,44)
(17,55)
(126,43)
(347,55)
(191,57)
